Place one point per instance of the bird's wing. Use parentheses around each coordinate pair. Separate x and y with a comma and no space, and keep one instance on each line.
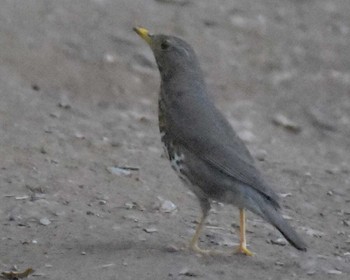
(227,160)
(212,139)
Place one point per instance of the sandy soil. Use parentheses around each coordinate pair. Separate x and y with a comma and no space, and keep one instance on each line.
(78,96)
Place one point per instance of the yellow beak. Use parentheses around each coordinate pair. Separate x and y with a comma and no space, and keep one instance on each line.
(144,34)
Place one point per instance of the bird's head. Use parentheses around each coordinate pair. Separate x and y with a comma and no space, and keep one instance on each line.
(172,54)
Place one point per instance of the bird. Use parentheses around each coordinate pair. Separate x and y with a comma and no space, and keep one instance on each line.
(203,149)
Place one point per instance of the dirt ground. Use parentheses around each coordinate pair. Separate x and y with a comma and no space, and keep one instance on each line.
(78,92)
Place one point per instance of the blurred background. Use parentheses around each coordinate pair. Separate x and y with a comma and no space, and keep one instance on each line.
(85,191)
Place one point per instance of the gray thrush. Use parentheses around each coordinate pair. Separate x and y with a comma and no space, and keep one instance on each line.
(202,147)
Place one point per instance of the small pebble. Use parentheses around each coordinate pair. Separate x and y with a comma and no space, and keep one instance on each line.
(330,193)
(54,115)
(79,135)
(288,218)
(283,121)
(279,241)
(187,272)
(64,103)
(167,206)
(119,171)
(172,249)
(43,150)
(283,195)
(150,229)
(334,272)
(130,205)
(247,136)
(107,265)
(45,221)
(261,155)
(102,202)
(22,197)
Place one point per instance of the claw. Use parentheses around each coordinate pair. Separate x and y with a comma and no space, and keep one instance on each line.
(205,252)
(195,248)
(242,249)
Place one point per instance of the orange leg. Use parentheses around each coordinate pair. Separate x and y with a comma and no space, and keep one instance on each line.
(194,242)
(242,248)
(195,238)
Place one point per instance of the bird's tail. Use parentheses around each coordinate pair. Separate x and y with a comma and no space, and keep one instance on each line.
(273,216)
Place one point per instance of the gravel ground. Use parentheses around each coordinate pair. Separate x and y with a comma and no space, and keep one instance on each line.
(78,108)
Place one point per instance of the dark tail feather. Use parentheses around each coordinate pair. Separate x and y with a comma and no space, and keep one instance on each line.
(275,218)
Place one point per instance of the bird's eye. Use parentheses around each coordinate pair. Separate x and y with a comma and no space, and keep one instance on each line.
(164,45)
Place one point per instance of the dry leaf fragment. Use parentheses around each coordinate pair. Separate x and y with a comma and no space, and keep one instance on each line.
(16,275)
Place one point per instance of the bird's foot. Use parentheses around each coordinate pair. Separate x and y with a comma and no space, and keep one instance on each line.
(201,251)
(242,249)
(198,250)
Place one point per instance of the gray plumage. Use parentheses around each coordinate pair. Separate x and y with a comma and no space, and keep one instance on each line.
(204,149)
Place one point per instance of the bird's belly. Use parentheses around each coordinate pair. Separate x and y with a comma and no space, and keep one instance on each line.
(175,156)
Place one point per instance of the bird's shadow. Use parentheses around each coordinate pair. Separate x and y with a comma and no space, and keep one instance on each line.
(146,249)
(105,247)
